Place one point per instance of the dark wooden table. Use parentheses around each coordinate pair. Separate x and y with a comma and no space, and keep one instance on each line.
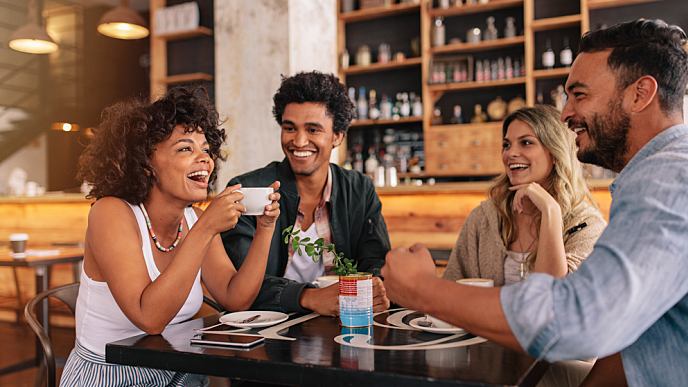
(306,351)
(41,266)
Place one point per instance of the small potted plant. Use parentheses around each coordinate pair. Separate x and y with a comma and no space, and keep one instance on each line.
(355,289)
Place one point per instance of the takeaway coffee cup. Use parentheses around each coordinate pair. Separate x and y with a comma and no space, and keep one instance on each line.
(18,243)
(326,281)
(255,199)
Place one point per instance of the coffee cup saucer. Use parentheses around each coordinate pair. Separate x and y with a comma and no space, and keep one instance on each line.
(433,329)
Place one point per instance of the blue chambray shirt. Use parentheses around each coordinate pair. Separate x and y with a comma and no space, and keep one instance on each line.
(630,295)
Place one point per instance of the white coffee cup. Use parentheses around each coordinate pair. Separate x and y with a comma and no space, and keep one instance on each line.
(18,243)
(482,282)
(326,280)
(255,199)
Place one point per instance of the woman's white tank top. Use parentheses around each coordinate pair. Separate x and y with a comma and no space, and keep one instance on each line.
(99,320)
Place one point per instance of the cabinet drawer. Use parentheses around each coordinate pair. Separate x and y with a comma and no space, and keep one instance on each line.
(463,163)
(466,137)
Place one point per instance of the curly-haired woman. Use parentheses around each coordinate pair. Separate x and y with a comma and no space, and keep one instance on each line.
(147,249)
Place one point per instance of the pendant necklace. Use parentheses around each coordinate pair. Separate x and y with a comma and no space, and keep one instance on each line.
(522,271)
(150,230)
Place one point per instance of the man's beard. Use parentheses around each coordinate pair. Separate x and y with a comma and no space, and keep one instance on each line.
(608,135)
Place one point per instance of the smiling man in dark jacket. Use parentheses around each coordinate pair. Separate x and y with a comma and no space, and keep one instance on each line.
(319,198)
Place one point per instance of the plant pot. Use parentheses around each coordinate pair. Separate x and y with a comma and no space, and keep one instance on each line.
(356,300)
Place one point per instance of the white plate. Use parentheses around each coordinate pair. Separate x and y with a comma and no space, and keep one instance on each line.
(265,320)
(447,331)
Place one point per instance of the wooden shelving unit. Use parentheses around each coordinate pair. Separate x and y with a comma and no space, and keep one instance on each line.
(375,67)
(184,78)
(474,8)
(432,94)
(200,31)
(599,4)
(361,123)
(378,12)
(158,43)
(553,73)
(481,46)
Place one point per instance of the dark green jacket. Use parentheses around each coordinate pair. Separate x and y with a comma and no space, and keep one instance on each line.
(358,230)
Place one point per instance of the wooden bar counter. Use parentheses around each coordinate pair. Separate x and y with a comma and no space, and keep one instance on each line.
(434,214)
(430,214)
(48,219)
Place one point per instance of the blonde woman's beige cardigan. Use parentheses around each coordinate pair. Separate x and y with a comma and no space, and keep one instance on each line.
(480,252)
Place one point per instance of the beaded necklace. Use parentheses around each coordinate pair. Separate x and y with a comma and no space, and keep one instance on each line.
(150,229)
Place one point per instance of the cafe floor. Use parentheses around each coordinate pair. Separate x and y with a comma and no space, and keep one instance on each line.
(17,343)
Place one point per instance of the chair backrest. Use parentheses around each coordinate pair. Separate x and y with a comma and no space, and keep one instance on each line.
(66,294)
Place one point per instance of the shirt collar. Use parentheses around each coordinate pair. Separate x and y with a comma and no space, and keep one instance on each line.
(652,147)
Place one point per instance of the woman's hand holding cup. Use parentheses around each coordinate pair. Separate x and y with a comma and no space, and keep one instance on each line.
(224,211)
(271,211)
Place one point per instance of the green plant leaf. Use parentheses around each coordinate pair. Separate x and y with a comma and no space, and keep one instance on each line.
(288,229)
(310,249)
(319,241)
(306,239)
(294,244)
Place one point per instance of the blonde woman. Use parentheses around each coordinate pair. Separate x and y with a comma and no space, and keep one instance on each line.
(540,215)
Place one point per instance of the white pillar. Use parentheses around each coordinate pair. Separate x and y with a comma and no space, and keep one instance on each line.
(255,43)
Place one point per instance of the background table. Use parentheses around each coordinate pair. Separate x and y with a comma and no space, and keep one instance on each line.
(41,266)
(401,356)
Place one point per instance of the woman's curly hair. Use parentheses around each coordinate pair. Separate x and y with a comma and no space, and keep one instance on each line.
(117,162)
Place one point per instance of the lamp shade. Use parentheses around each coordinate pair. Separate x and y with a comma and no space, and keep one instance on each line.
(123,23)
(32,39)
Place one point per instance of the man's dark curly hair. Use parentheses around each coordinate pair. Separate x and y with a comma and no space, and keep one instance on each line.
(117,162)
(645,47)
(316,87)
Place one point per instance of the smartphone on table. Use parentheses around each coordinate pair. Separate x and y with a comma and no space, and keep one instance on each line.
(225,340)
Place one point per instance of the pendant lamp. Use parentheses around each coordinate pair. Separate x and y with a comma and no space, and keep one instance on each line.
(31,38)
(123,23)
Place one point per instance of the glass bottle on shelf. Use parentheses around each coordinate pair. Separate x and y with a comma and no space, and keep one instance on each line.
(373,108)
(523,66)
(510,29)
(348,165)
(344,59)
(517,68)
(362,104)
(358,160)
(384,53)
(443,4)
(371,162)
(352,95)
(479,71)
(494,70)
(501,70)
(438,32)
(386,107)
(417,107)
(473,35)
(479,115)
(456,118)
(490,33)
(548,55)
(566,55)
(456,72)
(540,98)
(363,56)
(436,116)
(509,68)
(486,70)
(405,109)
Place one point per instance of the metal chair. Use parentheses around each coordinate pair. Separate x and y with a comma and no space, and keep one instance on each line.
(66,294)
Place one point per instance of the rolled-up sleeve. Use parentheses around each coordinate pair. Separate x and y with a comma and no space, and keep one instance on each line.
(635,274)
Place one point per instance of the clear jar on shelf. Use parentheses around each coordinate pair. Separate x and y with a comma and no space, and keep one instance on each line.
(363,56)
(490,32)
(510,29)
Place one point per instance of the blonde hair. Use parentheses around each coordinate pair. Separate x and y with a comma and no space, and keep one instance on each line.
(566,182)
